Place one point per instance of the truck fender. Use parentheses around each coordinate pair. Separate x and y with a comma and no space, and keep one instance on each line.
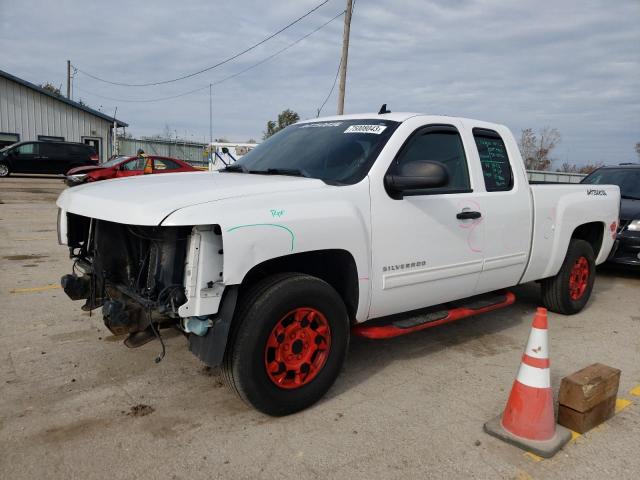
(211,347)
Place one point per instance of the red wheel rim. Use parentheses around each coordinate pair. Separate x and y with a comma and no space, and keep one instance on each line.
(297,348)
(579,278)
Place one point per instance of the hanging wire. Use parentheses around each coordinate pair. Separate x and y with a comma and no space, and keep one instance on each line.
(332,88)
(226,60)
(270,57)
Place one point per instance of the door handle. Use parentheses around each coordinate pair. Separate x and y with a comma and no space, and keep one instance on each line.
(468,215)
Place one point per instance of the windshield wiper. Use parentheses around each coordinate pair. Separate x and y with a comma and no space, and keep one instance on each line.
(236,167)
(630,197)
(281,171)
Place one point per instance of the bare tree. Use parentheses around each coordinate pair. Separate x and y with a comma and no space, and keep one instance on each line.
(536,149)
(638,149)
(573,168)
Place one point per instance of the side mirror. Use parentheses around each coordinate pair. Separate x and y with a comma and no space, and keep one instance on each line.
(417,175)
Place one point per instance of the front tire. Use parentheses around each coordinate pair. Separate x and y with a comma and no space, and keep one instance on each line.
(288,345)
(569,291)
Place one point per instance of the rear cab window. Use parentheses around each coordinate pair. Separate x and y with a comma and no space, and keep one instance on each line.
(496,168)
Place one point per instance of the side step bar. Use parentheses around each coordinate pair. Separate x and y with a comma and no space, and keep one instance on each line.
(401,325)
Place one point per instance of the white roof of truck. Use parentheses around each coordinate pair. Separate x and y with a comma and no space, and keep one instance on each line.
(398,117)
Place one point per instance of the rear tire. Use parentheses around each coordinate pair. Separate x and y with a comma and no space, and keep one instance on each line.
(4,170)
(569,291)
(288,345)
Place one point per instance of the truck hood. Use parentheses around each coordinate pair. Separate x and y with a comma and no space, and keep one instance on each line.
(148,199)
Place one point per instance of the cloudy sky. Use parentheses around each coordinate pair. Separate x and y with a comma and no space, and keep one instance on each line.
(572,65)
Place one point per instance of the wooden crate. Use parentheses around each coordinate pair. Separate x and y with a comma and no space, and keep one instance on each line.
(588,397)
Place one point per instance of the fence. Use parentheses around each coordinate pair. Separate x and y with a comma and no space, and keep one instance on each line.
(554,177)
(191,152)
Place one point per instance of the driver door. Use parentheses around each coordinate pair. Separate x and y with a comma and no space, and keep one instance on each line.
(133,167)
(423,253)
(26,158)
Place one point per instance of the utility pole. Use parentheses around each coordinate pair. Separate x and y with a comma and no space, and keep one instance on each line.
(69,79)
(115,147)
(345,54)
(210,125)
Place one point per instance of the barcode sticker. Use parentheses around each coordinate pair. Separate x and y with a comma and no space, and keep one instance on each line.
(377,129)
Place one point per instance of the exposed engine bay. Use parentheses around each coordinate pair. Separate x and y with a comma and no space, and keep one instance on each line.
(135,273)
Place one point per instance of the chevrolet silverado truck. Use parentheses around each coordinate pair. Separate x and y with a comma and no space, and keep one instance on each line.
(374,225)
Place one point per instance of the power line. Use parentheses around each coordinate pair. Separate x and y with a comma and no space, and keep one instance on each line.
(281,50)
(332,87)
(160,99)
(125,100)
(227,60)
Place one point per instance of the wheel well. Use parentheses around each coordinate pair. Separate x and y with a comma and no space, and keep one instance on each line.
(592,233)
(336,267)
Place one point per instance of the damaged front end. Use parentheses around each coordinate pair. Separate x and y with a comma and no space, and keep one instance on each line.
(150,277)
(136,274)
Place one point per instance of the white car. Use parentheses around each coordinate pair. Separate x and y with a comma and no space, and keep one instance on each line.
(372,224)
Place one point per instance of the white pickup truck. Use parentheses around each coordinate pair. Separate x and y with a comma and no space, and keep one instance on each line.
(372,224)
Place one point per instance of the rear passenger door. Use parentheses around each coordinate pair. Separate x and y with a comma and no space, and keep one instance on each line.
(53,158)
(506,205)
(164,165)
(131,168)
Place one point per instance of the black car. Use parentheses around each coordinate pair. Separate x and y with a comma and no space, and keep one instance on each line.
(45,157)
(627,177)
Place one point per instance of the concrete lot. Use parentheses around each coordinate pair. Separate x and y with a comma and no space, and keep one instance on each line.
(412,407)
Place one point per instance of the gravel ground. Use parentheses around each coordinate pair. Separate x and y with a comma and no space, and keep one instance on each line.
(76,403)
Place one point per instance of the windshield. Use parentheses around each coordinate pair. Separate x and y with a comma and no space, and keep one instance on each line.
(114,161)
(628,179)
(337,152)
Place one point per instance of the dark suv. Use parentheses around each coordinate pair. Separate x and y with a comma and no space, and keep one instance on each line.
(627,177)
(45,157)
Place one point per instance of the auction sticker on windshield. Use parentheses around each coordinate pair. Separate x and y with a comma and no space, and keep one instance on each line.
(377,129)
(323,124)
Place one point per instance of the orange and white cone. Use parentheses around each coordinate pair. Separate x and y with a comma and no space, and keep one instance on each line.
(528,420)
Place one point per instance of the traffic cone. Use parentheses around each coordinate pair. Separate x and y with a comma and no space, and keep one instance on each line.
(528,420)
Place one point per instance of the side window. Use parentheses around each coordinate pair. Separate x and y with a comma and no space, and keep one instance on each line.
(51,150)
(134,165)
(80,151)
(496,168)
(440,144)
(27,149)
(164,164)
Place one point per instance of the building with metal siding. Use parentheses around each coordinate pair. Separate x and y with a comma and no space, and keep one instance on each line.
(28,112)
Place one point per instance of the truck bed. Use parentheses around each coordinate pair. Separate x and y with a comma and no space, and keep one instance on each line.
(558,209)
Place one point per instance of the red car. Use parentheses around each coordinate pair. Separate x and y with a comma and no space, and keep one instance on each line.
(127,167)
